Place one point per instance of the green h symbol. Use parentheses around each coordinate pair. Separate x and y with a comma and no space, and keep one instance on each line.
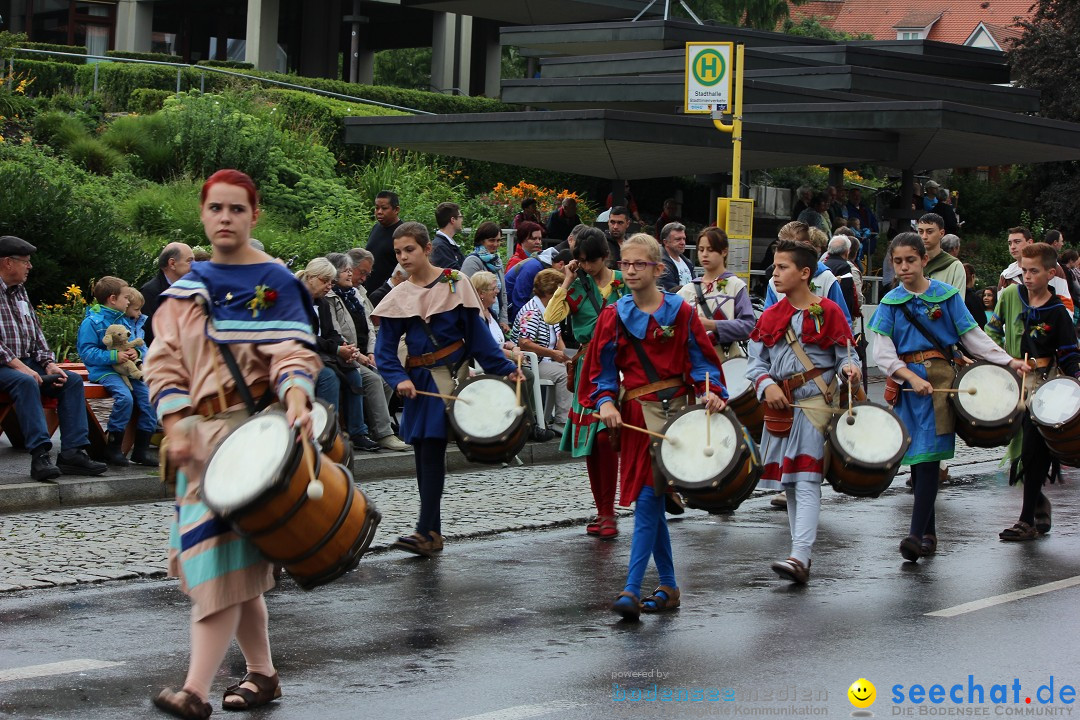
(708,64)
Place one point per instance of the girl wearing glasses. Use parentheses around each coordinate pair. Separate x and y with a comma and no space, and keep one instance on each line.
(649,327)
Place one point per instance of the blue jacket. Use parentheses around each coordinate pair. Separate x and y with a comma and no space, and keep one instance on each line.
(91,347)
(138,330)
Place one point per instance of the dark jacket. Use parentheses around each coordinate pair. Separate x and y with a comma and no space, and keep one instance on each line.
(952,226)
(614,252)
(381,244)
(151,293)
(839,267)
(444,254)
(327,338)
(559,227)
(669,281)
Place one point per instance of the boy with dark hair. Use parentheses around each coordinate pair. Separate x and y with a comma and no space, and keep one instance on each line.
(445,252)
(1048,341)
(111,301)
(797,350)
(942,266)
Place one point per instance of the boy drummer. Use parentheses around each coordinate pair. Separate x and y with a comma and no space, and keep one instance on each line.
(799,346)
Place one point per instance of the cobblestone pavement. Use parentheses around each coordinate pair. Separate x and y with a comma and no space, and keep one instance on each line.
(93,544)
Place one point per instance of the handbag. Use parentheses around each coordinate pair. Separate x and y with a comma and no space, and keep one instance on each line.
(779,422)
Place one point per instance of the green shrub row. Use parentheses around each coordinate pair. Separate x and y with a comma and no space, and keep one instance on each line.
(49,77)
(77,49)
(227,64)
(146,101)
(156,57)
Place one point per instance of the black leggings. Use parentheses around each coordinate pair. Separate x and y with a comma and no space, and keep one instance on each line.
(1035,457)
(430,456)
(924,481)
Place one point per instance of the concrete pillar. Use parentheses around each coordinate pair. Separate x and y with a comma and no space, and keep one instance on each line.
(365,67)
(443,41)
(320,39)
(493,65)
(463,61)
(134,25)
(262,32)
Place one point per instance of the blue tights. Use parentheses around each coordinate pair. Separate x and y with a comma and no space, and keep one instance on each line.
(650,538)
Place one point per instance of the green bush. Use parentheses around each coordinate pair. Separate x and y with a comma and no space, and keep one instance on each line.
(227,64)
(147,101)
(58,129)
(155,57)
(146,140)
(321,118)
(49,77)
(117,81)
(94,155)
(76,49)
(87,107)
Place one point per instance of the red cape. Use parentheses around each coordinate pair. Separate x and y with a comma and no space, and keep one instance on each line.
(774,322)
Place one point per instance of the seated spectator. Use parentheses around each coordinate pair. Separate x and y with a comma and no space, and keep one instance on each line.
(28,370)
(536,336)
(530,213)
(679,270)
(562,221)
(351,322)
(530,239)
(338,383)
(519,280)
(485,256)
(174,262)
(133,316)
(803,197)
(815,215)
(110,308)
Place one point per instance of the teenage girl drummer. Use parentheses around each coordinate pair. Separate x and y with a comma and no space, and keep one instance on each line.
(918,324)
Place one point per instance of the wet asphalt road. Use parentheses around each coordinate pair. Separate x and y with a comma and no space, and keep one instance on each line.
(517,626)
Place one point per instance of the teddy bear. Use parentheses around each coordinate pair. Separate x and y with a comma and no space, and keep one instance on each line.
(116,338)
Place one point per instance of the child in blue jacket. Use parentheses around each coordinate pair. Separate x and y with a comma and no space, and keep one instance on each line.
(109,308)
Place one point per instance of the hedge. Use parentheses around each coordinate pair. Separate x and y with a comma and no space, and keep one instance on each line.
(156,57)
(117,81)
(146,101)
(49,77)
(227,64)
(78,49)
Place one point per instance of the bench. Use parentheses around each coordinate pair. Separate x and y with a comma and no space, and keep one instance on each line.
(9,423)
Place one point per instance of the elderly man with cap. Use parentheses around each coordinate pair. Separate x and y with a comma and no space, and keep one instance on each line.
(28,370)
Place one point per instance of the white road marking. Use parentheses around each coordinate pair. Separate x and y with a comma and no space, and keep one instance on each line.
(521,712)
(1007,597)
(56,668)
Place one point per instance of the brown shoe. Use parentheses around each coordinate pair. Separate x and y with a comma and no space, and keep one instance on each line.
(779,500)
(436,541)
(793,570)
(416,544)
(182,704)
(269,690)
(663,598)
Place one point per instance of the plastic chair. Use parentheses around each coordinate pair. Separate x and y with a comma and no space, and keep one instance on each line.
(543,410)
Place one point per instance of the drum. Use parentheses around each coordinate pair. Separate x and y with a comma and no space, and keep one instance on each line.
(334,444)
(865,455)
(488,424)
(742,398)
(1055,411)
(257,481)
(717,482)
(992,416)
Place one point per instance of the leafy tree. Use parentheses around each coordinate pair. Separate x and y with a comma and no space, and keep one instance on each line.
(404,68)
(1045,57)
(812,27)
(757,14)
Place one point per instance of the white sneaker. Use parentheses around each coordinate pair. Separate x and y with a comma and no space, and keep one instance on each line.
(393,442)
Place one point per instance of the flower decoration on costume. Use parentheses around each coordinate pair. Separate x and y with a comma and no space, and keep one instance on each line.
(1040,330)
(818,313)
(664,332)
(934,312)
(617,286)
(452,277)
(265,297)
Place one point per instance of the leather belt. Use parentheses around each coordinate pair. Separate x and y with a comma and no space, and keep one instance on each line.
(431,358)
(922,356)
(800,379)
(211,406)
(653,387)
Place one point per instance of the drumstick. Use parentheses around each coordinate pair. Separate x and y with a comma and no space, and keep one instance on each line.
(1023,383)
(519,410)
(442,397)
(834,411)
(660,436)
(315,486)
(969,391)
(850,416)
(708,420)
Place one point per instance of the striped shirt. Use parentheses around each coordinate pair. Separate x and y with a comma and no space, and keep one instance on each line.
(20,331)
(530,324)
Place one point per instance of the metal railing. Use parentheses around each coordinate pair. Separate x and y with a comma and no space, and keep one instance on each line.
(203,69)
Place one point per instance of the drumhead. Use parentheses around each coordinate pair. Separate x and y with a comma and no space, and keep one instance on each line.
(687,460)
(490,411)
(876,438)
(320,416)
(997,392)
(735,378)
(1056,402)
(247,462)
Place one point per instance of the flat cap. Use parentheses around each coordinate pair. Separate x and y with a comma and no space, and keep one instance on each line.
(931,185)
(11,245)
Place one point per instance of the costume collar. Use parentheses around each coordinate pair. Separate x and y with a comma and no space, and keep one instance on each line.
(824,330)
(450,290)
(937,292)
(637,320)
(1033,312)
(448,238)
(939,263)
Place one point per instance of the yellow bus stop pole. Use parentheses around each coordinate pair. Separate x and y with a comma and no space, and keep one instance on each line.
(735,129)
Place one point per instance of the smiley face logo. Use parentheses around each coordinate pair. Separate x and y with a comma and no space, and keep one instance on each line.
(862,693)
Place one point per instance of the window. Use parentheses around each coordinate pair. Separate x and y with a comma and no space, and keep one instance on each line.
(66,22)
(909,35)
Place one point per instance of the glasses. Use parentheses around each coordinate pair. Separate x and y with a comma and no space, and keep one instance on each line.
(638,265)
(360,273)
(22,260)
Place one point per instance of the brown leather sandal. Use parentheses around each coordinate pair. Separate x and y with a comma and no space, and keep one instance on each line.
(663,598)
(269,691)
(436,541)
(416,544)
(793,570)
(182,704)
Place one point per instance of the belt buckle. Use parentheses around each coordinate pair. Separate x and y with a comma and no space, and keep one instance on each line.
(798,378)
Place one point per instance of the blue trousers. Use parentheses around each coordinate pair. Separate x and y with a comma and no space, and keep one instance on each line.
(328,389)
(650,538)
(124,400)
(26,394)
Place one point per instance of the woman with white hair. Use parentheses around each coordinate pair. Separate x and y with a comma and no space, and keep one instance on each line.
(338,382)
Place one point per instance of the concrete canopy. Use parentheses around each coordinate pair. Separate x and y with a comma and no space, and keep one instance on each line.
(616,144)
(532,12)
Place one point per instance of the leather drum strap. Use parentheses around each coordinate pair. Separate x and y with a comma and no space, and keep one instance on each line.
(807,364)
(652,387)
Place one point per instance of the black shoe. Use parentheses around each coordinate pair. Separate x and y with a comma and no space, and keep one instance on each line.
(77,462)
(542,435)
(141,453)
(42,468)
(363,442)
(114,450)
(673,504)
